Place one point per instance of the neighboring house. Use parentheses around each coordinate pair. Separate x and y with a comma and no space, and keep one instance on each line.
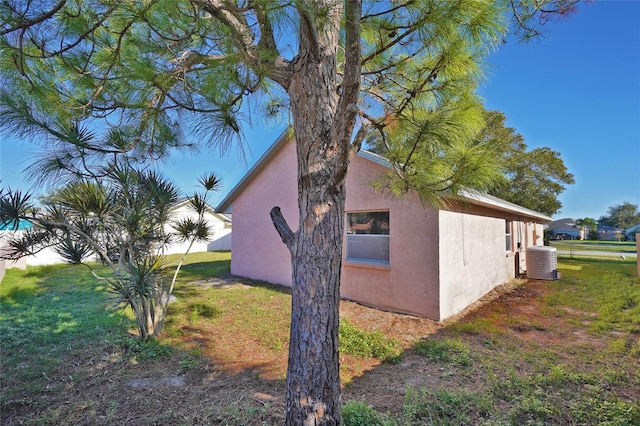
(631,232)
(46,256)
(220,225)
(221,238)
(399,255)
(566,227)
(7,232)
(609,233)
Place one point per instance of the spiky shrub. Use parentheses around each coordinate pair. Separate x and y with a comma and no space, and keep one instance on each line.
(123,220)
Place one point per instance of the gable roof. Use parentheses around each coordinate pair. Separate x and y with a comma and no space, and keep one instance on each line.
(566,222)
(185,201)
(470,196)
(635,228)
(262,162)
(607,228)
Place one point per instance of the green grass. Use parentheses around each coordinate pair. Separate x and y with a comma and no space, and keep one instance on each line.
(445,407)
(57,333)
(47,307)
(64,309)
(359,413)
(202,265)
(449,350)
(608,290)
(259,312)
(531,383)
(367,344)
(587,245)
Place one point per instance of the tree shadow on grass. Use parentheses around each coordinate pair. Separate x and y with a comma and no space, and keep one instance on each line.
(231,369)
(68,359)
(201,270)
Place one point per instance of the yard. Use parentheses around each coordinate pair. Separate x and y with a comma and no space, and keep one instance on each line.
(625,248)
(561,352)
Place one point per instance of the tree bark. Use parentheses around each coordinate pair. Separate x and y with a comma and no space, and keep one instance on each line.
(313,377)
(323,110)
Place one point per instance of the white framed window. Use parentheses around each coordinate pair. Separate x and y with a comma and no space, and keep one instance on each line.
(368,237)
(508,235)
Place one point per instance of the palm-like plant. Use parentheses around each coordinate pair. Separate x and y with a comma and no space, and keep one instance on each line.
(124,219)
(112,208)
(587,226)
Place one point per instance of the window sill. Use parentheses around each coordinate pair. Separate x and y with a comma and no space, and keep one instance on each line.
(369,264)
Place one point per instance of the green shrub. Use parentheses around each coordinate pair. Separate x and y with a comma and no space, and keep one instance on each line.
(358,413)
(367,343)
(454,351)
(143,350)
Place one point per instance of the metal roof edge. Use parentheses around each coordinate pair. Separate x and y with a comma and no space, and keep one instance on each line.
(469,195)
(484,199)
(376,158)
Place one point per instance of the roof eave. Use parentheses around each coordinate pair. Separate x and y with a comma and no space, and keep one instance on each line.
(281,141)
(471,196)
(486,200)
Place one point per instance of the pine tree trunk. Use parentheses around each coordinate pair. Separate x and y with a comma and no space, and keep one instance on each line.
(323,110)
(313,376)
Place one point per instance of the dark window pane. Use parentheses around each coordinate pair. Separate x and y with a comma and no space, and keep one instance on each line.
(368,223)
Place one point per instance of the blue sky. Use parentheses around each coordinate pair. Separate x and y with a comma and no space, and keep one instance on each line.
(576,90)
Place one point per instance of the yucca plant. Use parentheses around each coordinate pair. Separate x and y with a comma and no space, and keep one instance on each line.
(124,221)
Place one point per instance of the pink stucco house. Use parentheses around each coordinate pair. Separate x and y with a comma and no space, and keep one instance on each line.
(398,255)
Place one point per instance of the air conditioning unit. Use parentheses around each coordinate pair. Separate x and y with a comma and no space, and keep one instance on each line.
(542,263)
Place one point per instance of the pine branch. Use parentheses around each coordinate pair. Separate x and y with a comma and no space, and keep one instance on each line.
(285,232)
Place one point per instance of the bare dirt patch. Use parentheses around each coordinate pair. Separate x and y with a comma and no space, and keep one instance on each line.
(405,329)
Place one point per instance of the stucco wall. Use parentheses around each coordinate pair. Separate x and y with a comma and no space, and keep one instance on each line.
(439,261)
(473,255)
(473,259)
(221,241)
(257,250)
(410,283)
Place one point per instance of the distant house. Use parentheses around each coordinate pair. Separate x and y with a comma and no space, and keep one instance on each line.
(631,232)
(609,233)
(7,231)
(220,225)
(565,229)
(399,255)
